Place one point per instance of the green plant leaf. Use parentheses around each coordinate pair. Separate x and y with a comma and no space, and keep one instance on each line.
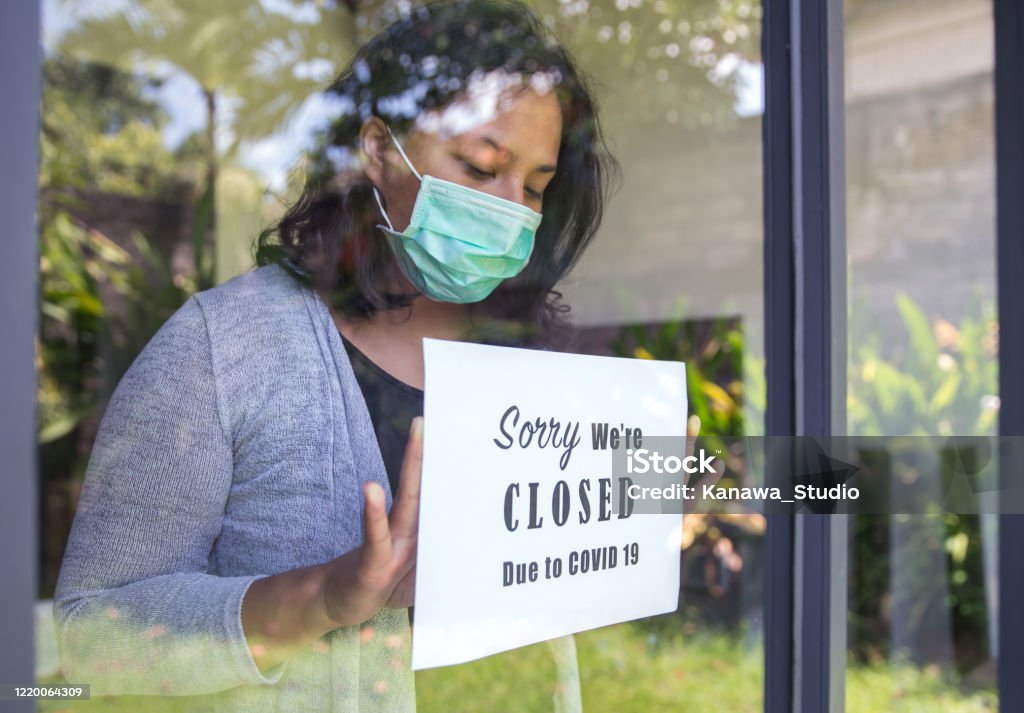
(923,347)
(943,397)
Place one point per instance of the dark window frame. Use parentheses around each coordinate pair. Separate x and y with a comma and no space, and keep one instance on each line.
(804,226)
(1008,17)
(20,76)
(805,326)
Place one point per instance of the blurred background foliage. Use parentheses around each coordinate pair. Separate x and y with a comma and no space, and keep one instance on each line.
(667,60)
(940,380)
(725,388)
(101,299)
(99,136)
(253,65)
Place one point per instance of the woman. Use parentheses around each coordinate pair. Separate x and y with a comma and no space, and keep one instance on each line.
(247,530)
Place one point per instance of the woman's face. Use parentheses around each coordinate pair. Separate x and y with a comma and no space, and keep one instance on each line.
(507,147)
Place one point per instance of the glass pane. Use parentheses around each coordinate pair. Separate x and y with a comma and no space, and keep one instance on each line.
(173,133)
(674,273)
(167,133)
(923,340)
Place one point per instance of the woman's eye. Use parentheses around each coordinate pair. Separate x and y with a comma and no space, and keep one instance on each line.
(534,194)
(475,171)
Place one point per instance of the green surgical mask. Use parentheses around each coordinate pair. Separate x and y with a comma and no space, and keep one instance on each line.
(460,243)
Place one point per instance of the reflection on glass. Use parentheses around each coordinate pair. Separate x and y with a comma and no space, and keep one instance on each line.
(169,130)
(156,119)
(675,273)
(923,340)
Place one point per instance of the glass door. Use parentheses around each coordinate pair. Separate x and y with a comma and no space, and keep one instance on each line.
(923,340)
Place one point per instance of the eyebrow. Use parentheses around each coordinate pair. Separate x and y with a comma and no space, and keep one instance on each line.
(545,168)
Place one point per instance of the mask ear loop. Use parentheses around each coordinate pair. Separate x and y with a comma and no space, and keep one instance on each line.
(404,157)
(376,195)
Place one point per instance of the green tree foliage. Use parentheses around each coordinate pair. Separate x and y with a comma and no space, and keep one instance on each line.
(939,379)
(100,132)
(713,352)
(99,136)
(255,62)
(100,300)
(263,58)
(652,60)
(673,60)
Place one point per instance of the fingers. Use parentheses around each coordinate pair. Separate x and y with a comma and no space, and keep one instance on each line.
(692,431)
(376,552)
(404,593)
(405,512)
(718,472)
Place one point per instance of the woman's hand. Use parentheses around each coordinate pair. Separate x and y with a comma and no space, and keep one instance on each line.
(709,479)
(289,610)
(692,432)
(382,572)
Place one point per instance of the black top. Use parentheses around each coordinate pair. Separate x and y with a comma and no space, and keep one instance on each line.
(392,405)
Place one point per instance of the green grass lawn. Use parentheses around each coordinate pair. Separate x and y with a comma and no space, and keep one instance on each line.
(626,669)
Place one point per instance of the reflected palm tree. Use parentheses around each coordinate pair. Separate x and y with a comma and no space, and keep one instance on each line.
(254,62)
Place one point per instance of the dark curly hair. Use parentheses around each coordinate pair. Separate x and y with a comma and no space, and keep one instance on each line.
(423,61)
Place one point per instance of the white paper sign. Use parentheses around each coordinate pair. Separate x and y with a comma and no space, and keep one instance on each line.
(491,574)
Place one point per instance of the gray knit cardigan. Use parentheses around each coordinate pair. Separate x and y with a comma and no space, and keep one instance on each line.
(233,448)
